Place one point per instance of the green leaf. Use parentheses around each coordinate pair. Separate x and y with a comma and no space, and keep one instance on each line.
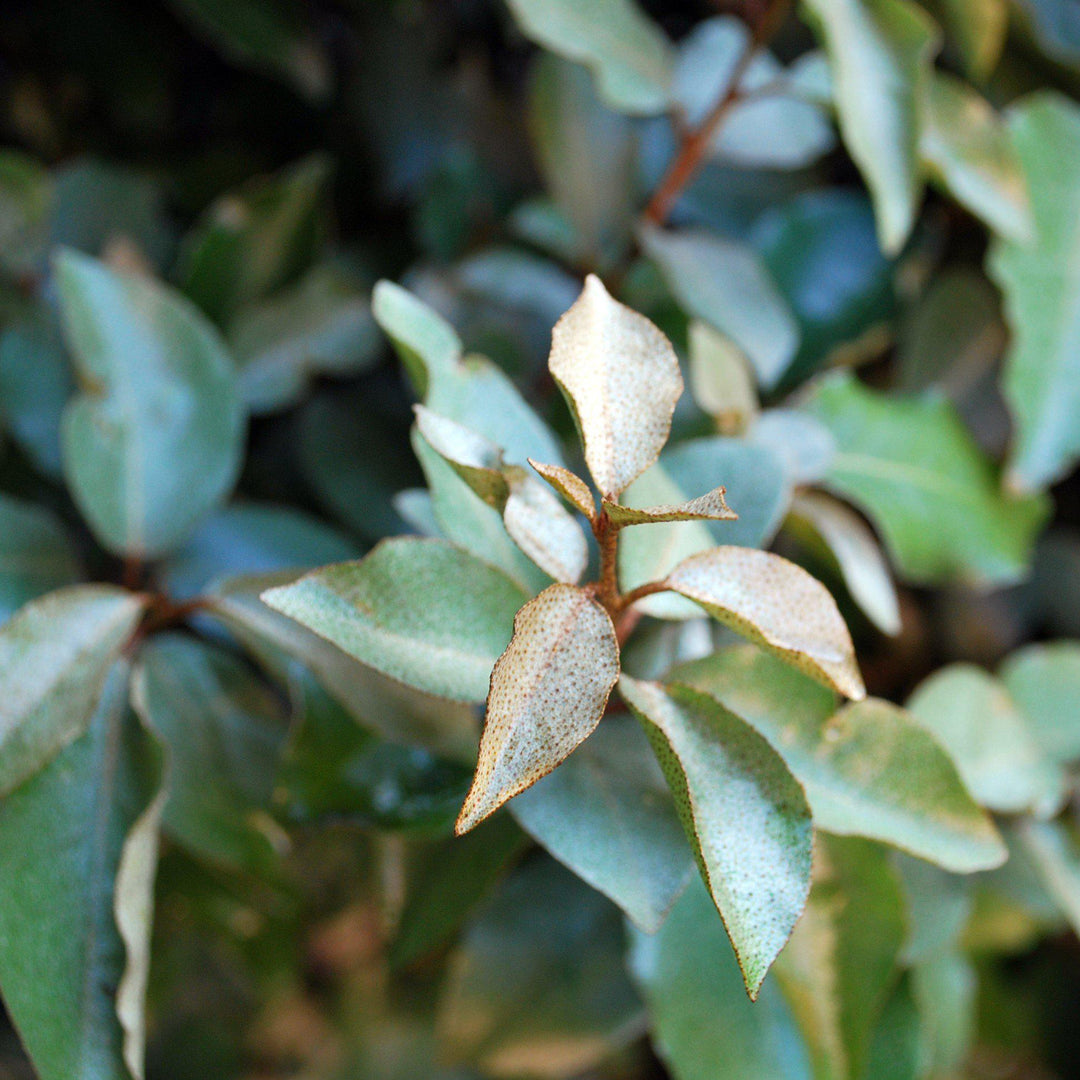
(721,380)
(155,439)
(838,968)
(987,735)
(778,130)
(569,485)
(1055,855)
(421,611)
(754,483)
(977,29)
(518,1000)
(945,989)
(939,906)
(77,844)
(702,1025)
(896,1042)
(725,283)
(620,377)
(224,731)
(35,384)
(966,148)
(426,343)
(267,36)
(321,326)
(606,814)
(478,461)
(548,692)
(251,538)
(880,53)
(380,704)
(629,55)
(856,550)
(586,153)
(1042,295)
(26,195)
(1044,680)
(776,604)
(869,770)
(36,555)
(54,656)
(905,462)
(708,507)
(805,244)
(744,813)
(255,239)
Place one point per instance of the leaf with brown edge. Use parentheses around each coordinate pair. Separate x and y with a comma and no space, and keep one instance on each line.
(569,485)
(776,604)
(709,507)
(620,377)
(548,692)
(746,816)
(543,528)
(476,459)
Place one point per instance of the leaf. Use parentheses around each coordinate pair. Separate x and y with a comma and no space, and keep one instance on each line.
(822,252)
(880,53)
(776,604)
(1055,28)
(518,1000)
(721,380)
(977,29)
(858,555)
(744,813)
(539,524)
(569,485)
(225,732)
(548,692)
(256,239)
(803,445)
(251,538)
(905,462)
(155,439)
(271,37)
(421,611)
(606,814)
(628,55)
(776,129)
(585,153)
(869,770)
(1055,856)
(394,711)
(321,326)
(478,461)
(54,656)
(967,150)
(36,555)
(620,377)
(945,989)
(702,1025)
(755,483)
(26,195)
(426,343)
(1042,295)
(708,507)
(725,283)
(986,734)
(1044,680)
(939,906)
(838,968)
(71,841)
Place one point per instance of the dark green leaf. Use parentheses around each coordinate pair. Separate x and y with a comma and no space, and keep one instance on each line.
(36,555)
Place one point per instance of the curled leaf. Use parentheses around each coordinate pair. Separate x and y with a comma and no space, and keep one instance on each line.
(621,379)
(548,692)
(569,485)
(778,605)
(477,460)
(709,507)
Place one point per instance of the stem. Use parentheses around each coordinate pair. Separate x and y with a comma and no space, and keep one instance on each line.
(607,537)
(696,143)
(640,592)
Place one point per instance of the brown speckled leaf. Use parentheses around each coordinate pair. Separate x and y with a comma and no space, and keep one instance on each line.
(744,813)
(569,485)
(778,605)
(621,378)
(709,507)
(543,528)
(548,692)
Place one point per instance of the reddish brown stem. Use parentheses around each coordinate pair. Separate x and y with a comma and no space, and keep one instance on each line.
(607,537)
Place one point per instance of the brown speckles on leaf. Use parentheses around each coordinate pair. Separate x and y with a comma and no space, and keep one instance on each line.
(709,507)
(569,485)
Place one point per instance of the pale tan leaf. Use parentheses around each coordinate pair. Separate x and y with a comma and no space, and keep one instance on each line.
(544,529)
(709,507)
(569,485)
(858,554)
(548,692)
(621,378)
(477,460)
(721,379)
(778,605)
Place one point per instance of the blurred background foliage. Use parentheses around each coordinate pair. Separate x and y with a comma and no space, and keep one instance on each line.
(271,159)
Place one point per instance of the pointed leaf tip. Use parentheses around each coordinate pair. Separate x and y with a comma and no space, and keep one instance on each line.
(620,376)
(569,485)
(709,507)
(548,692)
